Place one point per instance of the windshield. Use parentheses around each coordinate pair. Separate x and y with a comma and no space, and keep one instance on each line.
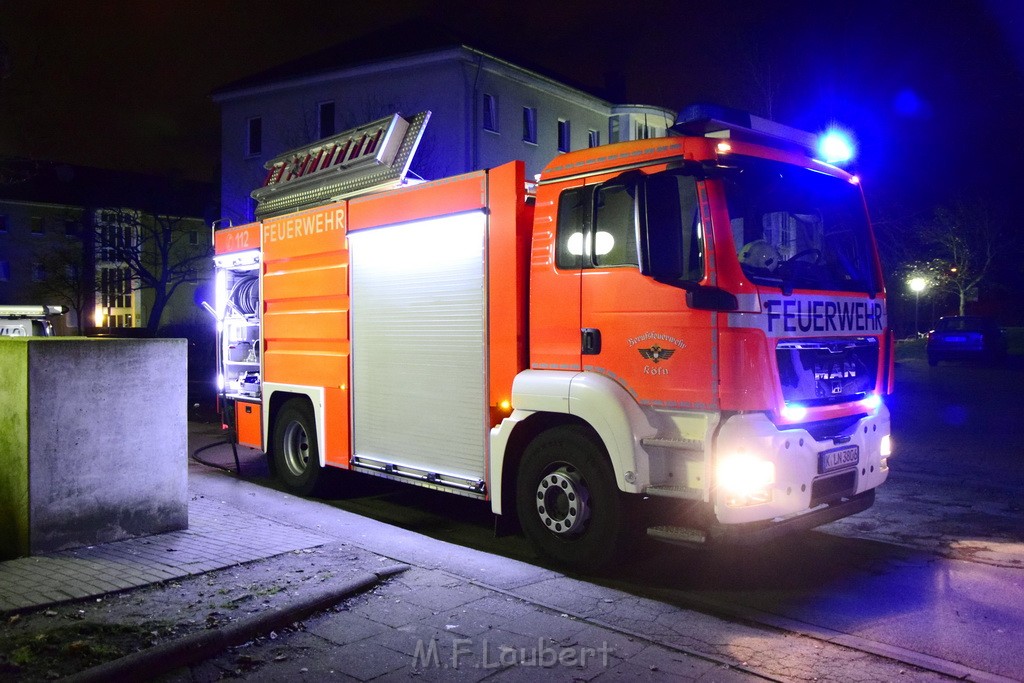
(799,229)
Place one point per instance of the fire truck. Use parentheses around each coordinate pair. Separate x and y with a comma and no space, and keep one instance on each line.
(697,320)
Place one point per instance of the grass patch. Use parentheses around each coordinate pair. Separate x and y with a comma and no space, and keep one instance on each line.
(67,649)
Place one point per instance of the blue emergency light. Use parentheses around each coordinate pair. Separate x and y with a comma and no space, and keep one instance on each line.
(835,147)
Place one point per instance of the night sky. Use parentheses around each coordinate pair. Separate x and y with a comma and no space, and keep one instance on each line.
(933,91)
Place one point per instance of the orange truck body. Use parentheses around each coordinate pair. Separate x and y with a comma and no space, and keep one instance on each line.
(433,333)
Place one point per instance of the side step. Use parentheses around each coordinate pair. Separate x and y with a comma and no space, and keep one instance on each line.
(475,488)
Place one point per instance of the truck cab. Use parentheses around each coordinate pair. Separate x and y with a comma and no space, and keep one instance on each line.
(707,313)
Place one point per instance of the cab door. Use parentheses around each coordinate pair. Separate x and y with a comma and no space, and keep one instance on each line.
(634,329)
(562,212)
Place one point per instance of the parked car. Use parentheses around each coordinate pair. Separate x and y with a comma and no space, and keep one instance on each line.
(28,321)
(966,337)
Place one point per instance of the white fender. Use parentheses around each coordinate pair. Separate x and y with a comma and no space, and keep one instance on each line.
(602,403)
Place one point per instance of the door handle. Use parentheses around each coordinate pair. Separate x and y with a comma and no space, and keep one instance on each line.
(591,338)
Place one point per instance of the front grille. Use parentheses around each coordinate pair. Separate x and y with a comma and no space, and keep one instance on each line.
(836,428)
(829,489)
(824,371)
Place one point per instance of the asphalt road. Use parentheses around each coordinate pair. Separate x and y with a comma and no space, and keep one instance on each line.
(934,569)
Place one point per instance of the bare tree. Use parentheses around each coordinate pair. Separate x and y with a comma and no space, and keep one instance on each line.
(67,279)
(160,253)
(961,245)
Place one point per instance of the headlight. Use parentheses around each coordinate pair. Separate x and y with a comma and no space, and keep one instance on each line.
(885,448)
(745,479)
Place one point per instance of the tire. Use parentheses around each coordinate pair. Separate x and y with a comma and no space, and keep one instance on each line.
(568,504)
(296,451)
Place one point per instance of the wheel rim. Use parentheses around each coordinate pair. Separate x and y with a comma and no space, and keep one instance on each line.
(563,502)
(296,449)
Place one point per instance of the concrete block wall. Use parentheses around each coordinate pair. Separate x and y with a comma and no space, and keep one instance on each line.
(93,441)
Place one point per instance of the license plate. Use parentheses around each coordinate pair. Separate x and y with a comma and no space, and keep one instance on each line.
(838,458)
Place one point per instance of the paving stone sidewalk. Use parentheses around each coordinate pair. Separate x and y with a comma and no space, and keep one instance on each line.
(219,535)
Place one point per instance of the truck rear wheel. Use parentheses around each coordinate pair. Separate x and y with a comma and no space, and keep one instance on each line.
(295,448)
(567,501)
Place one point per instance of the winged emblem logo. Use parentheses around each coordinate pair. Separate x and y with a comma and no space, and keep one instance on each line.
(656,353)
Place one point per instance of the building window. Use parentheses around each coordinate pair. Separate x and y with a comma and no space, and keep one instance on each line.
(115,290)
(490,113)
(193,237)
(3,223)
(37,225)
(642,131)
(564,136)
(38,272)
(325,119)
(254,141)
(530,125)
(593,138)
(5,271)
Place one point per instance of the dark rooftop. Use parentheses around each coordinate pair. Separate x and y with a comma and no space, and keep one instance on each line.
(406,39)
(57,183)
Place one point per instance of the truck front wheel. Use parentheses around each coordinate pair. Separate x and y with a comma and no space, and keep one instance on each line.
(295,448)
(568,504)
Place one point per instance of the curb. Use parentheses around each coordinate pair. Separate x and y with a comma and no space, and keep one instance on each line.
(147,664)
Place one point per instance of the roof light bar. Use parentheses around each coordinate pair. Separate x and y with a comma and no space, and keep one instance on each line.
(713,121)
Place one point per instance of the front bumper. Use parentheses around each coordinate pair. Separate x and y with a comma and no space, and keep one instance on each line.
(799,488)
(759,533)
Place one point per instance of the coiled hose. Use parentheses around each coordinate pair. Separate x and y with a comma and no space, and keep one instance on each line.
(245,295)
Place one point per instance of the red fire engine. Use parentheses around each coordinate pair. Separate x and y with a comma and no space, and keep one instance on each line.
(699,318)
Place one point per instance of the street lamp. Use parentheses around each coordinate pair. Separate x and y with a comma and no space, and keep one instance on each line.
(917,285)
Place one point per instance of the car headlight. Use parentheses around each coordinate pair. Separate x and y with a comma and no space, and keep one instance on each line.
(745,479)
